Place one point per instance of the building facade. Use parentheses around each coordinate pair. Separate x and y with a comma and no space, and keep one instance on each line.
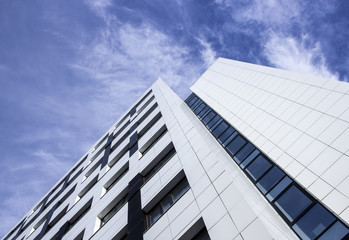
(253,153)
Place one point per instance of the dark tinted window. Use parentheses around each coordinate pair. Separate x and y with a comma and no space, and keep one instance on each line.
(230,138)
(258,167)
(203,112)
(236,145)
(270,179)
(209,117)
(336,231)
(249,158)
(199,108)
(191,102)
(243,153)
(196,104)
(220,129)
(292,203)
(214,122)
(314,222)
(225,135)
(279,188)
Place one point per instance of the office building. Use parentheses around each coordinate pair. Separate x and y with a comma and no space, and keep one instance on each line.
(253,153)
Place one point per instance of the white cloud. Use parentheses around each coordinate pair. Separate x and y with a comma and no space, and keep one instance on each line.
(207,53)
(132,57)
(301,56)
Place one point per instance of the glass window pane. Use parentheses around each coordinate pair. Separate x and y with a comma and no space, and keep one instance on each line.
(192,101)
(249,158)
(226,134)
(209,117)
(336,232)
(213,121)
(202,113)
(243,153)
(258,167)
(197,103)
(314,222)
(189,98)
(230,138)
(166,203)
(154,215)
(220,129)
(178,191)
(236,145)
(270,179)
(279,188)
(292,203)
(199,108)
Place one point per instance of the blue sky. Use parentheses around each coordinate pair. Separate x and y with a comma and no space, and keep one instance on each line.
(69,69)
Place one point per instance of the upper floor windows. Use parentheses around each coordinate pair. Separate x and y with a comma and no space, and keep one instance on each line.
(307,217)
(166,202)
(170,153)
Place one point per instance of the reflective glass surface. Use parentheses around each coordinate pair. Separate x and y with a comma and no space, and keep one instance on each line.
(258,167)
(220,129)
(225,135)
(270,179)
(314,222)
(249,158)
(304,214)
(292,203)
(278,188)
(235,145)
(335,232)
(192,101)
(196,104)
(199,108)
(243,153)
(202,113)
(230,138)
(209,117)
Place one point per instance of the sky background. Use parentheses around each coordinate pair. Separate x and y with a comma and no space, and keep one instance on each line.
(70,68)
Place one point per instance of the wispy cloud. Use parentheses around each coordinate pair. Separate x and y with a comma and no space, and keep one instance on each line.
(274,22)
(141,49)
(208,54)
(303,56)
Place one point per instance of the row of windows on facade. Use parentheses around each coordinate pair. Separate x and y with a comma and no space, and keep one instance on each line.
(151,216)
(112,182)
(302,212)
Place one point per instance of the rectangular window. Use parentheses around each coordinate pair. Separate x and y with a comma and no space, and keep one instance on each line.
(214,122)
(209,116)
(258,167)
(302,212)
(159,209)
(159,165)
(243,153)
(78,216)
(112,182)
(203,112)
(270,179)
(292,203)
(113,211)
(224,136)
(234,146)
(113,208)
(223,126)
(314,222)
(156,137)
(281,186)
(199,108)
(249,159)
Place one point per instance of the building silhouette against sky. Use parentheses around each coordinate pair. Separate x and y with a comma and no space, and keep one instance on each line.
(253,153)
